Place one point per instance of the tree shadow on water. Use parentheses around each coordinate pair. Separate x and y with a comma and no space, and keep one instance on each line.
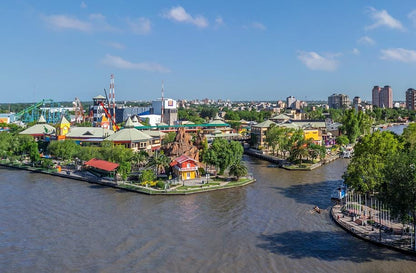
(314,194)
(328,246)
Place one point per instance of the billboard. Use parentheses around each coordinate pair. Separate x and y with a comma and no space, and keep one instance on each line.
(170,104)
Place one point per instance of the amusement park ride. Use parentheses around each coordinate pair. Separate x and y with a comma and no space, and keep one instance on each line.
(78,110)
(50,110)
(53,111)
(111,104)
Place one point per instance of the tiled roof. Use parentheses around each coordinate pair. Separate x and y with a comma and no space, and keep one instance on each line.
(265,124)
(102,164)
(96,132)
(129,134)
(181,159)
(39,129)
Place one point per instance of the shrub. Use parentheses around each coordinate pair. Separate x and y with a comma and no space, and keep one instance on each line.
(160,184)
(201,171)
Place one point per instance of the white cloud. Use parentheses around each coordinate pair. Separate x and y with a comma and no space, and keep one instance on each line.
(355,51)
(95,22)
(83,5)
(61,21)
(314,61)
(140,25)
(399,54)
(118,62)
(115,45)
(383,18)
(258,25)
(179,14)
(365,40)
(255,25)
(412,17)
(99,23)
(219,21)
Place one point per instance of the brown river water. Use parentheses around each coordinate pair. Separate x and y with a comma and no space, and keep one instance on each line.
(51,224)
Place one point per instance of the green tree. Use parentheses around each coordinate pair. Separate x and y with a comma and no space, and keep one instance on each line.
(65,150)
(86,153)
(351,125)
(399,188)
(237,151)
(295,142)
(147,176)
(222,154)
(232,115)
(169,138)
(342,140)
(365,171)
(32,150)
(409,135)
(140,158)
(159,161)
(273,137)
(238,169)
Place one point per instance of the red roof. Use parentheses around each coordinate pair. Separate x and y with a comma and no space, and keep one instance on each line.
(102,164)
(181,159)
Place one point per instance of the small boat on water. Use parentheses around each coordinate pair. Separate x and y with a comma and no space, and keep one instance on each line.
(339,193)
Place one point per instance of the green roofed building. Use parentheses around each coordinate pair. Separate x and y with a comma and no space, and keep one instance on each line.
(41,130)
(131,138)
(93,135)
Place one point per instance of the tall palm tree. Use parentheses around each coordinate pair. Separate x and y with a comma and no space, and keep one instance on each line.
(158,161)
(238,169)
(140,158)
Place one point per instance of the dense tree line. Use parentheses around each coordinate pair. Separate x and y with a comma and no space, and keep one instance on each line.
(384,165)
(291,144)
(18,147)
(251,115)
(222,154)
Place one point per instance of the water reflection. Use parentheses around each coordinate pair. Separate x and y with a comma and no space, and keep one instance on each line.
(48,223)
(328,246)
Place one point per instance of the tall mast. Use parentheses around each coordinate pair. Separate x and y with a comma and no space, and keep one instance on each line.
(162,108)
(112,100)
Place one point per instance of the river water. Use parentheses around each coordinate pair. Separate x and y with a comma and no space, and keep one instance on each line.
(51,224)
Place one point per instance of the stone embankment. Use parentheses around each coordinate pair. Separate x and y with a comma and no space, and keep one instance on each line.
(392,237)
(282,163)
(86,177)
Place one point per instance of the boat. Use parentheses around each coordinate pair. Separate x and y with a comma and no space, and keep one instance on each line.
(339,193)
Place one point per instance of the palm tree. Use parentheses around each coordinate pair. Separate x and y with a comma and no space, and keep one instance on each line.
(238,169)
(158,161)
(140,158)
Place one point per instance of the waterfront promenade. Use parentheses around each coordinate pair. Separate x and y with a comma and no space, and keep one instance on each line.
(283,163)
(389,234)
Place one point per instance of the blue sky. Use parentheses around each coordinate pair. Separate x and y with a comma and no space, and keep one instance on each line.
(239,50)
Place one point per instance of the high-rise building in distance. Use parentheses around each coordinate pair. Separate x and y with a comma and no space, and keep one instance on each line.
(411,99)
(337,101)
(382,97)
(290,102)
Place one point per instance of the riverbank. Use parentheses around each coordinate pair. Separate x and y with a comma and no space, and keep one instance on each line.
(176,190)
(391,238)
(284,164)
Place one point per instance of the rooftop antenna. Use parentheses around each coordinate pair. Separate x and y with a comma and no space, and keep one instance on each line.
(162,108)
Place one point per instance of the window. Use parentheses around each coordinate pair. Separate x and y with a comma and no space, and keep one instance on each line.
(188,165)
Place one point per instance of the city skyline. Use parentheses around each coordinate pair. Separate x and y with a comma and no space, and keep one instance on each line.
(237,51)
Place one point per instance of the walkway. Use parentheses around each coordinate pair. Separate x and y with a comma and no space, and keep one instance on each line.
(392,235)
